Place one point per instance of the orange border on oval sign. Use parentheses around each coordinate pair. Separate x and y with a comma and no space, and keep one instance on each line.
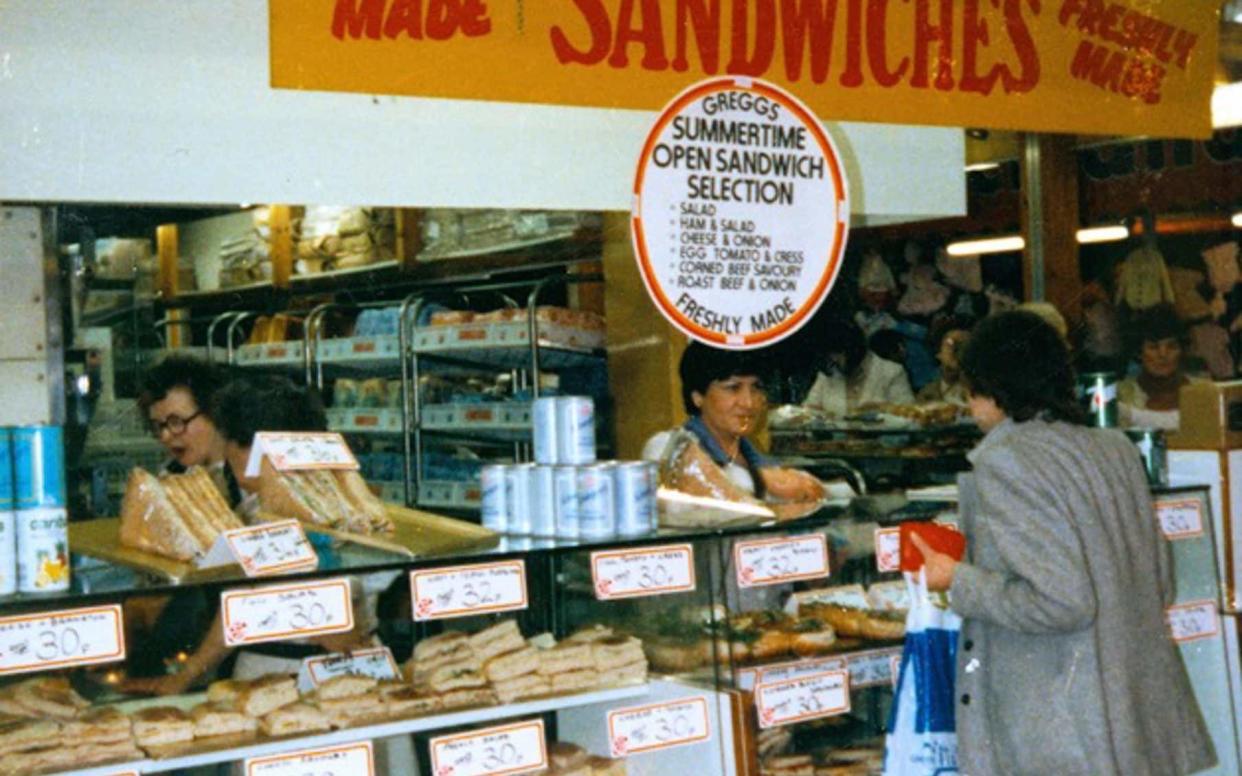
(836,250)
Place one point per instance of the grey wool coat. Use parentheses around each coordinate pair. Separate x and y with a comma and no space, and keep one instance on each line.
(1064,663)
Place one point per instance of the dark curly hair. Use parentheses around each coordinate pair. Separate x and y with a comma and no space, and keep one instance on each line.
(1155,324)
(201,378)
(265,403)
(1019,361)
(701,365)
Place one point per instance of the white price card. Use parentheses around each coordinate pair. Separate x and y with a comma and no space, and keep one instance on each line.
(518,748)
(642,572)
(1193,621)
(849,596)
(356,759)
(71,637)
(874,667)
(375,662)
(659,726)
(774,561)
(462,591)
(796,700)
(267,548)
(888,549)
(797,669)
(290,451)
(280,612)
(1182,519)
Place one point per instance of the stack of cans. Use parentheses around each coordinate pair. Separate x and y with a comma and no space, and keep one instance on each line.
(34,526)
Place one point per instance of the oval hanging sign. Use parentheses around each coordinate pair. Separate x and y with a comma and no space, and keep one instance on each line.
(741,213)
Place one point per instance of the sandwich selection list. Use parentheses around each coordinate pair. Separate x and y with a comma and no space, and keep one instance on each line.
(280,612)
(517,748)
(356,759)
(462,591)
(72,637)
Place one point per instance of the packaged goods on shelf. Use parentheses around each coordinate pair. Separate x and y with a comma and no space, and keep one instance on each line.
(451,234)
(335,238)
(119,258)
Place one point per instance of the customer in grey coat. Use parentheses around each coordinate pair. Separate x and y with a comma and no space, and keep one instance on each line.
(1065,665)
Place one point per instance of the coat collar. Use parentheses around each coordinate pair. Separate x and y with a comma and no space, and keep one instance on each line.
(1000,432)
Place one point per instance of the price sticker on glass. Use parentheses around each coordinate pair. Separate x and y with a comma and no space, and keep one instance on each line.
(649,571)
(775,561)
(887,549)
(1181,519)
(518,748)
(658,726)
(461,591)
(280,612)
(71,637)
(356,759)
(271,548)
(796,700)
(1193,621)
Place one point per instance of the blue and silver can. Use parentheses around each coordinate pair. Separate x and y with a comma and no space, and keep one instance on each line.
(565,484)
(38,466)
(575,429)
(634,487)
(543,501)
(8,516)
(596,503)
(543,424)
(42,550)
(517,497)
(495,510)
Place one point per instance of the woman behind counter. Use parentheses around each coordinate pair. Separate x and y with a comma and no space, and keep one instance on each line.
(853,376)
(1065,665)
(1150,399)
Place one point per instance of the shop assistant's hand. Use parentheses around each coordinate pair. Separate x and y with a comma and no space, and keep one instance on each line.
(939,567)
(791,484)
(172,684)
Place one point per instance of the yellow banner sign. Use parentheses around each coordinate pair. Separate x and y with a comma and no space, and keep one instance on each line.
(1083,66)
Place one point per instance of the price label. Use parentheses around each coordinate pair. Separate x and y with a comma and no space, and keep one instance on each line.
(377,663)
(272,548)
(289,451)
(1193,621)
(774,561)
(798,669)
(461,591)
(505,749)
(1180,519)
(356,759)
(888,549)
(889,596)
(280,612)
(875,667)
(796,700)
(649,571)
(849,596)
(658,726)
(72,637)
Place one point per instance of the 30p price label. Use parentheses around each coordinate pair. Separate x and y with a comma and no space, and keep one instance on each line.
(71,637)
(637,573)
(658,726)
(1193,621)
(272,548)
(515,748)
(797,700)
(776,561)
(280,612)
(356,759)
(888,549)
(1182,519)
(461,591)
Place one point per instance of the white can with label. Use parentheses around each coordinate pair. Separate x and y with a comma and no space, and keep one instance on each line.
(517,497)
(634,488)
(596,502)
(8,552)
(543,423)
(565,484)
(575,429)
(495,510)
(42,550)
(543,501)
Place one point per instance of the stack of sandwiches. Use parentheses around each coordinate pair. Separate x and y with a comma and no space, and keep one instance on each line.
(44,726)
(349,700)
(565,759)
(335,499)
(175,515)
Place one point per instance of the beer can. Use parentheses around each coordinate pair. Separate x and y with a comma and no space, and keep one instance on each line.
(596,503)
(543,501)
(1099,391)
(517,497)
(8,518)
(495,510)
(575,429)
(634,486)
(1154,452)
(42,549)
(38,466)
(565,484)
(543,421)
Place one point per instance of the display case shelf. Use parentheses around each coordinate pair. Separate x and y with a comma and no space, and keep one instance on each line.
(366,420)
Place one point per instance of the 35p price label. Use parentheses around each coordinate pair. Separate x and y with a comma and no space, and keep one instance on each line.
(280,612)
(517,748)
(644,572)
(658,726)
(776,561)
(1193,621)
(356,759)
(272,548)
(796,700)
(461,591)
(71,637)
(888,549)
(1182,519)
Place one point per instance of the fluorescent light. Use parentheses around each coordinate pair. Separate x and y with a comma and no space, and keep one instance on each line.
(1099,234)
(1013,242)
(1227,105)
(1237,219)
(982,166)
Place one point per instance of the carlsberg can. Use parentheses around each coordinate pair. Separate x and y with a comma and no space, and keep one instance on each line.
(8,517)
(575,429)
(495,511)
(42,522)
(543,424)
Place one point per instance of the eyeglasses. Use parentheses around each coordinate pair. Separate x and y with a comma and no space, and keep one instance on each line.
(174,424)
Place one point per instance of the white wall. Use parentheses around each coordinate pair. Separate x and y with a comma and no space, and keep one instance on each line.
(159,101)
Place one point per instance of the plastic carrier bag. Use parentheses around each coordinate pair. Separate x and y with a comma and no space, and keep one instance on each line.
(921,738)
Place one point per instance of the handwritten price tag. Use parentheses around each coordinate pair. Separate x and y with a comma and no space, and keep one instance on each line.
(506,749)
(72,637)
(377,663)
(280,612)
(1180,519)
(888,549)
(292,451)
(796,700)
(462,591)
(356,759)
(649,571)
(1193,621)
(872,668)
(658,726)
(774,561)
(272,548)
(798,669)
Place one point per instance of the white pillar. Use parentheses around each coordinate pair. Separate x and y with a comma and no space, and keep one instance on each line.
(26,382)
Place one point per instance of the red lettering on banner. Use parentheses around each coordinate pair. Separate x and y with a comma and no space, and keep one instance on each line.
(800,20)
(1023,46)
(650,35)
(596,17)
(877,45)
(1134,31)
(924,34)
(853,75)
(441,20)
(705,21)
(743,61)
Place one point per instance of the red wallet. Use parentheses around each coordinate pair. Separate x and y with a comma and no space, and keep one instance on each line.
(941,538)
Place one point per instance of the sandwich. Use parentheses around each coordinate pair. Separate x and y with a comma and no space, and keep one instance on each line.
(225,690)
(345,686)
(790,765)
(884,626)
(457,675)
(353,709)
(575,681)
(591,633)
(674,654)
(566,656)
(406,701)
(627,674)
(812,637)
(450,645)
(604,766)
(563,755)
(162,725)
(616,651)
(266,694)
(104,725)
(294,719)
(97,754)
(845,620)
(512,664)
(19,734)
(214,719)
(468,697)
(336,499)
(175,515)
(524,686)
(48,696)
(500,638)
(68,758)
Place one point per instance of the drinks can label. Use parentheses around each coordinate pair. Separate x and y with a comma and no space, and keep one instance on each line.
(7,499)
(1099,391)
(575,429)
(543,422)
(565,484)
(596,507)
(543,501)
(38,466)
(8,552)
(42,550)
(517,497)
(495,510)
(634,489)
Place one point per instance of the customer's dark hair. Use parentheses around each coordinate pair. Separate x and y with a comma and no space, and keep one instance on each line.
(201,378)
(1155,324)
(265,403)
(844,337)
(701,365)
(1019,361)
